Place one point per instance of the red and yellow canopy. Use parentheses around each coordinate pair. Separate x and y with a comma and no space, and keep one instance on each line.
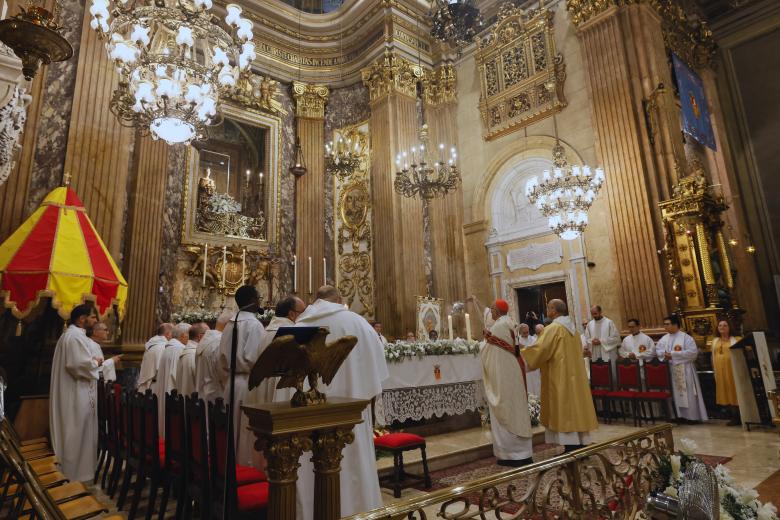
(57,253)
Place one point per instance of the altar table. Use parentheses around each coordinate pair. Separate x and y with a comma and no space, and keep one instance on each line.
(430,386)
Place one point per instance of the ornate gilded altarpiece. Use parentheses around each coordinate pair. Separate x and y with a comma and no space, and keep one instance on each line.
(521,74)
(230,220)
(353,228)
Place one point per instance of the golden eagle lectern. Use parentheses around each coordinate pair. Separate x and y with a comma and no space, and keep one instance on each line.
(293,362)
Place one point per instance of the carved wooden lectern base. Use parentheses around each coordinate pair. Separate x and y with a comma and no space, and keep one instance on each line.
(284,433)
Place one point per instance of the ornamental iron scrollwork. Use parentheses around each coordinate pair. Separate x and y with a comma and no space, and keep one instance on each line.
(521,75)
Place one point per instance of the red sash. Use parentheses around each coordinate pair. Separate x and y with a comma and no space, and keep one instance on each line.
(500,343)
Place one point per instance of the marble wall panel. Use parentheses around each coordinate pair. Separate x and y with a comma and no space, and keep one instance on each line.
(286,247)
(171,233)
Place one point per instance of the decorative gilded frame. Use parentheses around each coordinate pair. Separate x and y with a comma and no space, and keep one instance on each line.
(520,82)
(250,116)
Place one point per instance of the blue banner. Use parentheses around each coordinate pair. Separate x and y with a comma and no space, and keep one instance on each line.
(695,111)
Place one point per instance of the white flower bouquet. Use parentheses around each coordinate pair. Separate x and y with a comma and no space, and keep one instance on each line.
(401,350)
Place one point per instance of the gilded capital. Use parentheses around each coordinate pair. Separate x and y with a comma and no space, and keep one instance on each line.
(283,455)
(327,448)
(581,11)
(440,85)
(310,100)
(391,74)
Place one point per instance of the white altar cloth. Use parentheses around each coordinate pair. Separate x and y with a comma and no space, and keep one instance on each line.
(422,371)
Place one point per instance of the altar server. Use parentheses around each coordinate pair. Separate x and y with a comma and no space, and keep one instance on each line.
(603,338)
(533,378)
(73,398)
(637,345)
(681,351)
(166,374)
(153,350)
(567,408)
(208,382)
(360,377)
(186,377)
(250,338)
(503,379)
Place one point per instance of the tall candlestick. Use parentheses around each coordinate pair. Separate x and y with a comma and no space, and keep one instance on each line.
(295,274)
(205,261)
(224,264)
(468,328)
(324,271)
(243,266)
(449,321)
(310,291)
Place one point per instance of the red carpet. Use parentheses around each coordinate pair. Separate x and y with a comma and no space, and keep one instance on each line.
(769,490)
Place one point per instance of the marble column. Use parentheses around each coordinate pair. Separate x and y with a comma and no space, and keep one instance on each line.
(625,60)
(446,214)
(398,227)
(310,103)
(146,205)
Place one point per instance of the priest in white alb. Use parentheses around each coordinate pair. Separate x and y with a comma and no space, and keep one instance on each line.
(165,382)
(73,398)
(602,337)
(360,377)
(533,378)
(153,350)
(286,312)
(249,345)
(208,381)
(680,350)
(504,381)
(186,382)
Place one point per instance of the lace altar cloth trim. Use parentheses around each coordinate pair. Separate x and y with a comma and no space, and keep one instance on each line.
(426,402)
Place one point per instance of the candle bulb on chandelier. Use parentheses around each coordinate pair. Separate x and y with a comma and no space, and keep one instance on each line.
(205,261)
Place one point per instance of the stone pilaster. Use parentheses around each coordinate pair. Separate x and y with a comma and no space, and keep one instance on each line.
(310,103)
(398,226)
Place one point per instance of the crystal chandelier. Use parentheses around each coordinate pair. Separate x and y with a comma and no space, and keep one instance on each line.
(174,59)
(565,195)
(341,158)
(456,22)
(422,174)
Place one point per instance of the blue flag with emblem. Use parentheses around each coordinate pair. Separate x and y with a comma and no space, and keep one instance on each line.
(693,101)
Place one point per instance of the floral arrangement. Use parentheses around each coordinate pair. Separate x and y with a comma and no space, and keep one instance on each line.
(223,203)
(736,502)
(534,409)
(400,350)
(266,316)
(194,316)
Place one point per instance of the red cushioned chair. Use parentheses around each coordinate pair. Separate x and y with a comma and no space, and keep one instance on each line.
(154,452)
(601,386)
(629,386)
(102,389)
(198,478)
(247,500)
(119,436)
(175,453)
(134,453)
(658,387)
(397,444)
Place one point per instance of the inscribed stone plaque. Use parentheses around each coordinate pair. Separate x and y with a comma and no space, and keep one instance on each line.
(535,256)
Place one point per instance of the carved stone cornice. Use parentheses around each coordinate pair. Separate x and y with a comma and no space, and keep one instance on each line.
(258,92)
(391,74)
(440,85)
(310,100)
(690,39)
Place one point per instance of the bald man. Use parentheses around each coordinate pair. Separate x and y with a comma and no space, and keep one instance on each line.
(504,380)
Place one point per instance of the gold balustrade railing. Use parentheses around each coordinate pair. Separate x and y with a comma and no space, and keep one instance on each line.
(608,480)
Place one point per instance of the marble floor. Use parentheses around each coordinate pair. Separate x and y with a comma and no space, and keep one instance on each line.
(755,455)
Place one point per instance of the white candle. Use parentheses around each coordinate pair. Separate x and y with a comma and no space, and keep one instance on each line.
(243,266)
(468,328)
(324,271)
(224,264)
(205,261)
(449,320)
(346,306)
(310,291)
(295,273)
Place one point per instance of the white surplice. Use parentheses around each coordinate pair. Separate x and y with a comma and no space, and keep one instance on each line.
(208,384)
(185,369)
(360,377)
(251,338)
(151,362)
(688,399)
(502,377)
(107,368)
(533,378)
(605,331)
(639,344)
(165,381)
(73,404)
